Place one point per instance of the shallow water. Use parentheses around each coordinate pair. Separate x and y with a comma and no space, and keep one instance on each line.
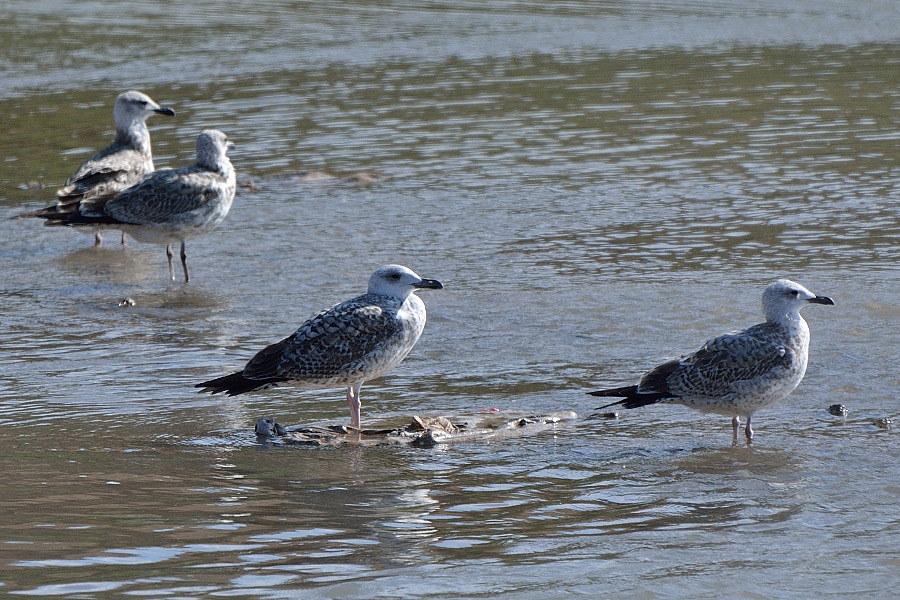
(598,185)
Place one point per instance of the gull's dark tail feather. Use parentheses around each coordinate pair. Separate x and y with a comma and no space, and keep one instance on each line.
(48,212)
(236,383)
(76,208)
(65,205)
(59,218)
(632,398)
(75,218)
(31,213)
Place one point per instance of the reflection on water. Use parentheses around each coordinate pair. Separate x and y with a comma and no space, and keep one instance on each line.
(599,186)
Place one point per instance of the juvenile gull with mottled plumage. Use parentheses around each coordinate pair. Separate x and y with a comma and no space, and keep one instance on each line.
(118,166)
(346,345)
(736,374)
(169,205)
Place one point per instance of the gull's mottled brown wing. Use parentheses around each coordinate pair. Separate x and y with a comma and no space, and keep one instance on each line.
(721,363)
(328,344)
(164,195)
(105,173)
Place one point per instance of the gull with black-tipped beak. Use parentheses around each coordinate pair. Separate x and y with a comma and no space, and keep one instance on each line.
(344,346)
(118,166)
(170,205)
(736,374)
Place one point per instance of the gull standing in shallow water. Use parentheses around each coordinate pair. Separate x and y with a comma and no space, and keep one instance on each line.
(345,345)
(118,166)
(736,374)
(169,205)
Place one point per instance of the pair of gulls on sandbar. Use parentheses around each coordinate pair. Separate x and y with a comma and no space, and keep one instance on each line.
(365,337)
(119,189)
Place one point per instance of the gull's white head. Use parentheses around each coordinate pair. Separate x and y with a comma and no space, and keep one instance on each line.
(212,146)
(134,106)
(398,281)
(784,299)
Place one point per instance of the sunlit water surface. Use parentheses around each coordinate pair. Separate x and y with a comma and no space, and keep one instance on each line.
(600,186)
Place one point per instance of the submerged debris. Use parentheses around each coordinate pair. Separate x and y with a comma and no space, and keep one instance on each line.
(30,186)
(421,432)
(245,182)
(605,415)
(267,428)
(363,177)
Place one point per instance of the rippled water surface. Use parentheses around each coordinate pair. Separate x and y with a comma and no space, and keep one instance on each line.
(599,185)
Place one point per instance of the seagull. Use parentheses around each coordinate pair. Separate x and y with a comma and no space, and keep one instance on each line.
(346,345)
(735,374)
(120,165)
(169,205)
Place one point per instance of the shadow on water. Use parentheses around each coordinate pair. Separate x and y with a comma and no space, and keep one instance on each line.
(111,265)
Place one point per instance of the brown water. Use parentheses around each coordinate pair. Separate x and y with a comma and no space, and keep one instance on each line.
(599,186)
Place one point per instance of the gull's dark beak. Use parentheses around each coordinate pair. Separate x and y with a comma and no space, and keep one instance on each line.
(429,284)
(164,110)
(821,300)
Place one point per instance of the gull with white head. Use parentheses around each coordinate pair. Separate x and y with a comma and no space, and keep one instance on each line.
(170,205)
(344,346)
(118,166)
(736,374)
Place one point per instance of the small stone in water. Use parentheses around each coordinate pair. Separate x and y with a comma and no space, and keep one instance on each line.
(838,410)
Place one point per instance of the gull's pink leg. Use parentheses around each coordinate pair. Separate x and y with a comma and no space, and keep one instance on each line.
(169,256)
(98,239)
(735,425)
(748,430)
(354,404)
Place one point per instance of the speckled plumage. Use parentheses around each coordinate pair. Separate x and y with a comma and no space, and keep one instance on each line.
(735,374)
(359,339)
(118,166)
(175,204)
(346,345)
(169,205)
